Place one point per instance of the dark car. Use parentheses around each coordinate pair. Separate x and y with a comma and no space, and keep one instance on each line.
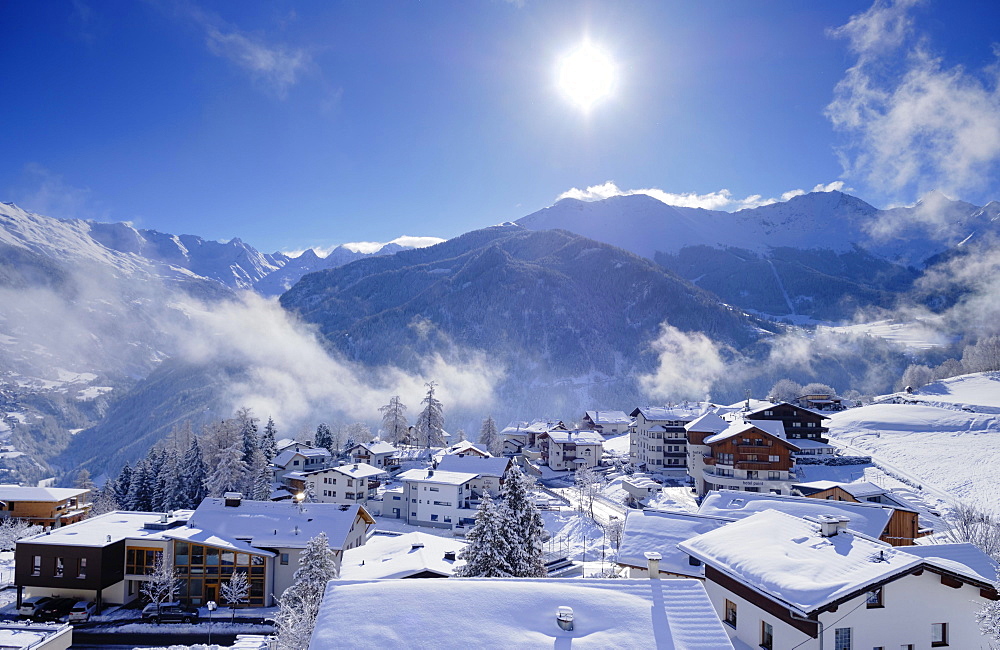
(169,613)
(55,609)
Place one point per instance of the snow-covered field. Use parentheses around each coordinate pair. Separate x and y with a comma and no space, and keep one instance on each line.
(918,334)
(945,441)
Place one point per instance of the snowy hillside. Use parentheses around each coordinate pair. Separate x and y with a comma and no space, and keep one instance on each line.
(945,436)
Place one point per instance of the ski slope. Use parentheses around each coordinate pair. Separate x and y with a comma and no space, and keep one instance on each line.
(944,437)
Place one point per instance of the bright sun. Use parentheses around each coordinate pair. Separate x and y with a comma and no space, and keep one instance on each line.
(586,75)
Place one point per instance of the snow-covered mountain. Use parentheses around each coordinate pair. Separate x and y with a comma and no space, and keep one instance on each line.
(822,254)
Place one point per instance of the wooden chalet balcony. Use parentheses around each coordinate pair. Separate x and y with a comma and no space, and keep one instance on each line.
(751,448)
(749,464)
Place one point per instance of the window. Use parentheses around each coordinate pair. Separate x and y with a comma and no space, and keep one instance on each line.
(434,489)
(939,635)
(81,568)
(766,636)
(810,424)
(751,473)
(36,565)
(434,517)
(141,561)
(874,599)
(768,412)
(773,475)
(693,561)
(842,638)
(774,459)
(730,613)
(60,567)
(284,558)
(726,459)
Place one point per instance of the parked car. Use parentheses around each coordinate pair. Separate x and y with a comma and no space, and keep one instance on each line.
(30,606)
(82,611)
(55,609)
(169,613)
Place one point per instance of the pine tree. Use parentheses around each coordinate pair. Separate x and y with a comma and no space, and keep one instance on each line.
(192,477)
(489,438)
(299,604)
(83,481)
(229,474)
(525,527)
(248,432)
(140,494)
(430,424)
(268,440)
(488,552)
(394,424)
(324,438)
(170,483)
(104,501)
(259,484)
(122,486)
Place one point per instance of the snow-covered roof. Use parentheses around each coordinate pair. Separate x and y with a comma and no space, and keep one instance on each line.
(357,470)
(656,413)
(542,425)
(768,405)
(285,457)
(378,447)
(862,489)
(738,427)
(651,530)
(464,446)
(25,636)
(518,613)
(435,476)
(868,518)
(710,422)
(608,417)
(273,524)
(492,466)
(786,558)
(755,405)
(808,443)
(208,538)
(641,481)
(576,437)
(114,525)
(400,556)
(963,559)
(21,493)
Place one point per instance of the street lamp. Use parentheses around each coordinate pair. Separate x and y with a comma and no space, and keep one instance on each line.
(211,608)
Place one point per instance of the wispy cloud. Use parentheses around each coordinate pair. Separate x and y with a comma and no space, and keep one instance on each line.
(719,200)
(914,123)
(274,66)
(689,364)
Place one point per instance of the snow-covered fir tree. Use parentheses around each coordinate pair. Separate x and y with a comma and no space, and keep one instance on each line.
(488,552)
(524,526)
(141,485)
(193,473)
(259,474)
(247,424)
(430,424)
(83,481)
(394,424)
(324,438)
(268,440)
(170,488)
(229,472)
(299,604)
(122,486)
(489,437)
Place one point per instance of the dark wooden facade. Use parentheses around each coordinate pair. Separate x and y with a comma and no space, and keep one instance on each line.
(799,422)
(105,566)
(751,450)
(903,527)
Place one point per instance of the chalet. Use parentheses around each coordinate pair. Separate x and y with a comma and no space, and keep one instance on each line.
(354,483)
(463,448)
(659,532)
(300,460)
(489,472)
(518,613)
(659,440)
(753,457)
(640,488)
(779,581)
(376,453)
(50,507)
(570,450)
(873,519)
(800,423)
(904,526)
(518,436)
(606,423)
(291,443)
(433,498)
(413,555)
(705,426)
(820,402)
(106,559)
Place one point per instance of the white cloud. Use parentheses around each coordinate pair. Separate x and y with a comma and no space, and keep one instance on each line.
(914,123)
(405,240)
(688,365)
(719,200)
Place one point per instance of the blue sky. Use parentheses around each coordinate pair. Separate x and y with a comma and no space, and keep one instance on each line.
(314,123)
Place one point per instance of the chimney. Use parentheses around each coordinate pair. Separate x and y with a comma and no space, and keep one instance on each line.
(653,564)
(416,546)
(829,525)
(564,618)
(163,518)
(233,499)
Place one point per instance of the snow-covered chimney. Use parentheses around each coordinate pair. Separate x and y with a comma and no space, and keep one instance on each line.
(564,618)
(829,525)
(653,564)
(233,499)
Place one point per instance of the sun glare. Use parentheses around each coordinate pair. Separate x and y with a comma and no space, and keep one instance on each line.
(586,75)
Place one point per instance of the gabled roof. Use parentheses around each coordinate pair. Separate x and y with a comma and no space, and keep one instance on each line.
(708,423)
(576,437)
(518,613)
(274,524)
(377,447)
(285,457)
(464,446)
(868,518)
(651,530)
(38,494)
(542,425)
(963,559)
(655,413)
(785,558)
(739,427)
(435,476)
(608,417)
(757,409)
(357,470)
(401,556)
(492,466)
